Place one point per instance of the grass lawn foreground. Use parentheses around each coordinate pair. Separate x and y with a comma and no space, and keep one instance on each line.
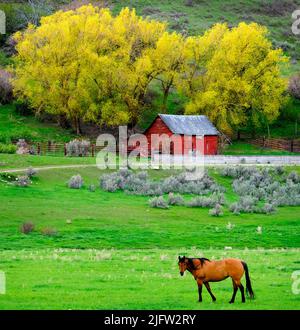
(112,251)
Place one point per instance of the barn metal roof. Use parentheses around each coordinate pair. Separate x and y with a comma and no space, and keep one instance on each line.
(189,125)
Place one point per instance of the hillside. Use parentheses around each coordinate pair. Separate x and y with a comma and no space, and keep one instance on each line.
(195,16)
(14,126)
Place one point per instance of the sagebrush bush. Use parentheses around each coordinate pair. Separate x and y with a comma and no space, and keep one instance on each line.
(263,185)
(27,227)
(206,201)
(76,182)
(237,171)
(294,177)
(22,181)
(158,202)
(30,172)
(174,199)
(279,170)
(252,184)
(108,183)
(182,184)
(287,195)
(22,143)
(216,211)
(235,208)
(246,204)
(92,188)
(78,148)
(130,182)
(269,208)
(140,184)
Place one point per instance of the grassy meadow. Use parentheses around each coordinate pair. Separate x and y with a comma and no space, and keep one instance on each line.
(138,279)
(112,251)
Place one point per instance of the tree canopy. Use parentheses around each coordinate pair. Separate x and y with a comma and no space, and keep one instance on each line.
(237,78)
(86,64)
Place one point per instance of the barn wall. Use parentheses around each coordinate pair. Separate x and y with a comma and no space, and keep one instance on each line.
(211,145)
(159,127)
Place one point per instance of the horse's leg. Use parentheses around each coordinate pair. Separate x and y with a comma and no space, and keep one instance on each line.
(235,288)
(209,290)
(199,282)
(242,292)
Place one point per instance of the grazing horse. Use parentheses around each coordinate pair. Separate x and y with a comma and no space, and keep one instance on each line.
(205,271)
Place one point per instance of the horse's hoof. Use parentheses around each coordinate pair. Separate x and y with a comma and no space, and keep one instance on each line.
(199,300)
(231,302)
(243,301)
(214,300)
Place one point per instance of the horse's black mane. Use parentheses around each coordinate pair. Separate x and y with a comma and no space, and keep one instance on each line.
(202,261)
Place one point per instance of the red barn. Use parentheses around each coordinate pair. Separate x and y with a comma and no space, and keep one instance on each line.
(179,127)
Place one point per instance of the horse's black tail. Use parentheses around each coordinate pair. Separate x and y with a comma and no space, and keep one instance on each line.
(248,281)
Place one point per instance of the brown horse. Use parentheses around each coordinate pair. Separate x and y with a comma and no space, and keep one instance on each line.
(205,271)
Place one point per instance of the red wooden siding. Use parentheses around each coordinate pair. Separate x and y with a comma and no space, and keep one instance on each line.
(159,127)
(210,144)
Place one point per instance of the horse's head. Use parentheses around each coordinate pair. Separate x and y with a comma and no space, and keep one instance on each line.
(182,264)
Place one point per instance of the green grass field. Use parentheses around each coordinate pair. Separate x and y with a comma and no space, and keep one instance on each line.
(247,149)
(118,253)
(138,279)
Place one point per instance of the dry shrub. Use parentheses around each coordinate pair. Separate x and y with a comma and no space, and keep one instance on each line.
(6,91)
(48,231)
(27,227)
(76,182)
(294,86)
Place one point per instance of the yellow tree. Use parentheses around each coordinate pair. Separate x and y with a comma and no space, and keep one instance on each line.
(168,57)
(241,80)
(198,51)
(86,64)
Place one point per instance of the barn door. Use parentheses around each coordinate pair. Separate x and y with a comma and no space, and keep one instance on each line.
(210,146)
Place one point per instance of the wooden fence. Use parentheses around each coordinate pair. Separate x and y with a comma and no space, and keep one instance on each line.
(58,149)
(277,144)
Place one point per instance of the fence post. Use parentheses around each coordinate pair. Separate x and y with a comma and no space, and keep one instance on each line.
(292,145)
(65,149)
(93,150)
(49,146)
(39,149)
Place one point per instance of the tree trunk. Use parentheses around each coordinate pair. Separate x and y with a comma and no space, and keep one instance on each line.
(76,124)
(268,128)
(165,99)
(63,122)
